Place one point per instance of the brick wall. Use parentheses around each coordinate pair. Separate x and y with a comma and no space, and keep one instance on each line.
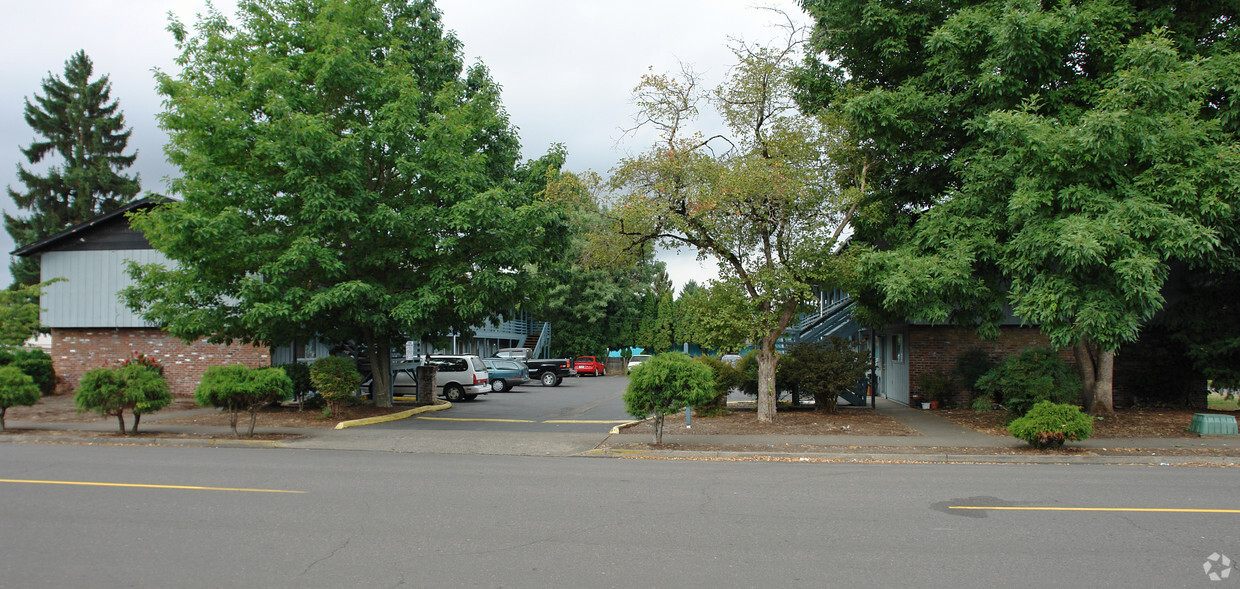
(933,349)
(74,351)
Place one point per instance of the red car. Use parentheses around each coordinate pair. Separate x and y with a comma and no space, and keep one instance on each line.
(589,365)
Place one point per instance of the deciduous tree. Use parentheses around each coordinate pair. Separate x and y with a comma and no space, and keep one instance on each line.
(764,201)
(1054,159)
(343,175)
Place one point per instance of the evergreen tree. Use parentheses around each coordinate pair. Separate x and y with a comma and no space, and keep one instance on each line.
(77,120)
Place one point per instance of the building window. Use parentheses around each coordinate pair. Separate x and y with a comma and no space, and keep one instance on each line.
(897,348)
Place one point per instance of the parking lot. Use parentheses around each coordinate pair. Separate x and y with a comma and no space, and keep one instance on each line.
(581,404)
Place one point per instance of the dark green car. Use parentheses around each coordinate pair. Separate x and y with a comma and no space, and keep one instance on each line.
(506,373)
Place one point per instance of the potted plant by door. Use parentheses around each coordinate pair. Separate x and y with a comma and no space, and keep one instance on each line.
(938,389)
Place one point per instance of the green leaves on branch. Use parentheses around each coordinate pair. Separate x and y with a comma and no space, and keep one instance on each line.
(113,390)
(344,176)
(237,387)
(16,388)
(665,384)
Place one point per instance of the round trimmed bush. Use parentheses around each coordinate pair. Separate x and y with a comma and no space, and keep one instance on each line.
(336,379)
(1049,425)
(16,388)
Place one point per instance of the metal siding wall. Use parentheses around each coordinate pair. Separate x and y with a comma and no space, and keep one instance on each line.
(89,298)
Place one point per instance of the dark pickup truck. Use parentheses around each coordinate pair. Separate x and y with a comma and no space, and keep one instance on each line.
(549,372)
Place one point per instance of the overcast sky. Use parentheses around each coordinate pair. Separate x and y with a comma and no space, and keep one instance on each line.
(566,68)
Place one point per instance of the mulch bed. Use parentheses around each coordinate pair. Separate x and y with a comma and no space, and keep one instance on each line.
(1126,423)
(789,421)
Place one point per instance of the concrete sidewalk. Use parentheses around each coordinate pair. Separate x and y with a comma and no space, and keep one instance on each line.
(937,440)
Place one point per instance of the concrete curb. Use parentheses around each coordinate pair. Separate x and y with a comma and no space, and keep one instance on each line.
(924,458)
(393,416)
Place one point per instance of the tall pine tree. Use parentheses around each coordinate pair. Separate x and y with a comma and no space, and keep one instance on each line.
(77,120)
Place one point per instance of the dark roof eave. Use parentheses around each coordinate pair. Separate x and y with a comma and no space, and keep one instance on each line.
(47,242)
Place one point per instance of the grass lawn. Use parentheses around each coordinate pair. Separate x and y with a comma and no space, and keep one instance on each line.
(1218,403)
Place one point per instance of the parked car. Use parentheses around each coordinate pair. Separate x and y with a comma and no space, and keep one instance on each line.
(589,365)
(731,358)
(506,374)
(637,360)
(459,378)
(549,372)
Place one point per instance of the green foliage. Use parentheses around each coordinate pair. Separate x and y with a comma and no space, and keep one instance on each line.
(236,387)
(762,201)
(19,311)
(76,120)
(113,390)
(1049,425)
(147,376)
(665,384)
(299,374)
(982,403)
(725,379)
(938,386)
(16,388)
(971,365)
(824,369)
(1056,158)
(34,363)
(1034,375)
(336,379)
(343,174)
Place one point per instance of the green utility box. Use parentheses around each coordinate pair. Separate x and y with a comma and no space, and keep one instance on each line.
(1214,425)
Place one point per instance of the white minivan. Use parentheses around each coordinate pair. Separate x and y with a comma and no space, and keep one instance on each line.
(459,378)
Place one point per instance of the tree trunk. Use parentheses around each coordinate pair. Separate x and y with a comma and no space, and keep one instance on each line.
(766,380)
(381,371)
(1097,370)
(3,410)
(253,418)
(120,418)
(136,418)
(232,420)
(658,429)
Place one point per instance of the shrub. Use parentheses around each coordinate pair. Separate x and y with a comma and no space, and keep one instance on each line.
(747,370)
(982,403)
(938,386)
(112,390)
(824,369)
(1037,374)
(1049,425)
(34,363)
(971,365)
(299,374)
(237,387)
(16,388)
(665,384)
(336,379)
(149,380)
(725,379)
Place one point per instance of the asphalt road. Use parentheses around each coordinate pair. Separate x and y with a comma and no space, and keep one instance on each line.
(583,404)
(379,519)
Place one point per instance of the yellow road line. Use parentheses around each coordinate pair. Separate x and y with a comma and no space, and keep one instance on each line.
(139,486)
(469,419)
(1127,509)
(586,421)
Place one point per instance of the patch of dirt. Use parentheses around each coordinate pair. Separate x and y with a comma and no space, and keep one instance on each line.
(184,411)
(1126,423)
(789,421)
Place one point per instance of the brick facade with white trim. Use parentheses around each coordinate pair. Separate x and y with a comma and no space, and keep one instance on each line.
(75,351)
